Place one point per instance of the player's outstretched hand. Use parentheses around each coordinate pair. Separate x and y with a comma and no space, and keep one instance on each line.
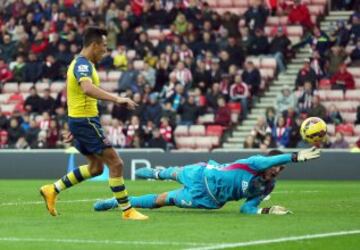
(279,210)
(67,137)
(307,154)
(128,102)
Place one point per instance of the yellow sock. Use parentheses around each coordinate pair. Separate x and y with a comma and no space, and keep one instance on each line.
(120,193)
(78,175)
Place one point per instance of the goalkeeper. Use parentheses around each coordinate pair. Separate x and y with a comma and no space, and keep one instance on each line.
(209,185)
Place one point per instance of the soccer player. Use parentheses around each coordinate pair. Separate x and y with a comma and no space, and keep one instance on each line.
(83,93)
(210,185)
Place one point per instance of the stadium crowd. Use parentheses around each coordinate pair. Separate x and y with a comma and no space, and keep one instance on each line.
(195,68)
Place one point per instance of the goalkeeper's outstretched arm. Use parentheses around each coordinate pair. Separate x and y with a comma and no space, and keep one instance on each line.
(260,163)
(251,206)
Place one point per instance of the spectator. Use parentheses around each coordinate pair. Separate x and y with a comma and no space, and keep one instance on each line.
(355,27)
(149,74)
(52,136)
(260,130)
(178,97)
(215,72)
(3,139)
(357,121)
(207,44)
(319,41)
(340,35)
(18,69)
(38,47)
(181,24)
(355,54)
(21,143)
(4,122)
(166,129)
(299,14)
(32,134)
(183,75)
(250,142)
(212,96)
(189,111)
(153,110)
(340,141)
(295,136)
(342,79)
(201,76)
(48,102)
(235,51)
(270,115)
(120,60)
(5,73)
(239,91)
(334,116)
(143,45)
(128,78)
(258,44)
(133,129)
(41,140)
(50,69)
(306,74)
(285,100)
(223,113)
(256,15)
(157,141)
(169,114)
(317,109)
(33,69)
(318,64)
(279,47)
(33,102)
(224,61)
(281,133)
(251,76)
(335,58)
(15,131)
(7,48)
(268,142)
(305,100)
(115,134)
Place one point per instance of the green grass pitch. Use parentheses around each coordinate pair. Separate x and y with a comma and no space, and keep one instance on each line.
(319,207)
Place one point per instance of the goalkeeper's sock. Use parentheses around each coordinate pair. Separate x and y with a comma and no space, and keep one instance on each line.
(120,193)
(170,173)
(72,178)
(145,201)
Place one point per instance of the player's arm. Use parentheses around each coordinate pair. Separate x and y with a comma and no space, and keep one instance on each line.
(261,163)
(251,206)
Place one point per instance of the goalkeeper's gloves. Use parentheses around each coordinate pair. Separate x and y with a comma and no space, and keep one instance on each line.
(306,154)
(277,210)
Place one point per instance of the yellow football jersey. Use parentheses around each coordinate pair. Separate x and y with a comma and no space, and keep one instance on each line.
(79,104)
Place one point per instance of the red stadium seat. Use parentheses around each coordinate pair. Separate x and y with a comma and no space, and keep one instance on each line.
(216,130)
(324,84)
(197,130)
(235,107)
(346,129)
(284,20)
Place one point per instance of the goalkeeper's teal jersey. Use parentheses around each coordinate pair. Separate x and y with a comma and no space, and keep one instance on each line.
(238,180)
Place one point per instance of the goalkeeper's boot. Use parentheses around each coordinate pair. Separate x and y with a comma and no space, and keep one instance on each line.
(147,173)
(49,194)
(133,214)
(105,205)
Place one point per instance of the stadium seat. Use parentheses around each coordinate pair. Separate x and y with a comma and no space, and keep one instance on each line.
(331,129)
(153,33)
(131,54)
(352,95)
(215,140)
(324,84)
(4,98)
(109,86)
(294,39)
(351,139)
(7,109)
(357,130)
(181,130)
(234,118)
(102,75)
(25,87)
(255,60)
(295,30)
(10,88)
(185,142)
(204,142)
(41,86)
(215,130)
(225,3)
(316,10)
(268,63)
(114,75)
(284,20)
(139,64)
(57,86)
(349,116)
(197,130)
(334,95)
(354,71)
(235,107)
(319,2)
(212,3)
(346,129)
(207,118)
(357,83)
(106,120)
(273,20)
(267,73)
(241,3)
(349,49)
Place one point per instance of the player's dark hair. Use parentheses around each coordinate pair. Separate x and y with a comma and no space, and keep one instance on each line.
(274,152)
(93,34)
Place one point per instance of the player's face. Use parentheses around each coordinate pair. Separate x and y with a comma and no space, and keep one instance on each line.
(100,49)
(272,173)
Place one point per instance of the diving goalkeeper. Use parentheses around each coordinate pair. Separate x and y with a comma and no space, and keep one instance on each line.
(209,185)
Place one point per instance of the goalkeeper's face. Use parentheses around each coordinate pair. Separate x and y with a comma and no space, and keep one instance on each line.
(272,173)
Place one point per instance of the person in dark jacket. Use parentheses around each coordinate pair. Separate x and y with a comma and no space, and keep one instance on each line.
(306,74)
(48,102)
(15,131)
(251,76)
(33,69)
(258,43)
(153,110)
(235,51)
(279,46)
(189,112)
(255,16)
(157,141)
(32,134)
(33,102)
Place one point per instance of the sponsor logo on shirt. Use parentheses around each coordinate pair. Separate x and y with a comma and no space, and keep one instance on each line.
(83,68)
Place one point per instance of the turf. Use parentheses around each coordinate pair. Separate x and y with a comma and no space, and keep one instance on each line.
(319,207)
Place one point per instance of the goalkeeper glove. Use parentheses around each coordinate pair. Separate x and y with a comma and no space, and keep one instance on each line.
(306,154)
(277,210)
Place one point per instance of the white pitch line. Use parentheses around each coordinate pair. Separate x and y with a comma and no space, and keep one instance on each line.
(271,241)
(20,203)
(101,242)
